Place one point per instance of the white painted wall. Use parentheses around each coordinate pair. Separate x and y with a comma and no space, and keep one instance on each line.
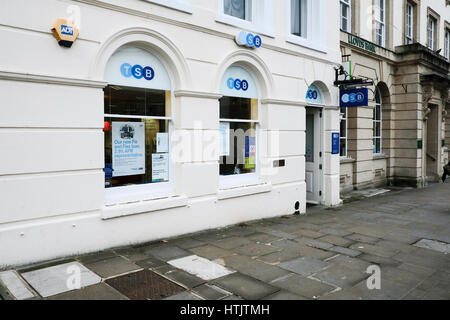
(51,119)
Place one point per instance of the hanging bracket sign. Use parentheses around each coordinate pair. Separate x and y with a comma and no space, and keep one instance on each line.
(354,98)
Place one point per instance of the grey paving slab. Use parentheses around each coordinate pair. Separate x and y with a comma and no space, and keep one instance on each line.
(211,292)
(245,286)
(57,279)
(211,252)
(304,266)
(284,243)
(150,263)
(374,249)
(284,295)
(100,291)
(295,252)
(299,285)
(94,257)
(254,268)
(188,243)
(389,290)
(233,297)
(255,249)
(380,261)
(167,252)
(185,279)
(184,296)
(314,243)
(353,263)
(15,285)
(263,238)
(308,233)
(345,251)
(132,254)
(362,238)
(341,276)
(335,232)
(336,240)
(112,267)
(231,243)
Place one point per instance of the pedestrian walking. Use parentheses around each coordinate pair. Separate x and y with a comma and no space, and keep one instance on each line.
(446,172)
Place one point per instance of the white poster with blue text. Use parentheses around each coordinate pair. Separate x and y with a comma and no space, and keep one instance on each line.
(128,148)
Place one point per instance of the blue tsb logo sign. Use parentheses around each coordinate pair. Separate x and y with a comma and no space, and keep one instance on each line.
(137,71)
(237,84)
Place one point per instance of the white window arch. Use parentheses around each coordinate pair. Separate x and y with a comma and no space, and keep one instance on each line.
(377,122)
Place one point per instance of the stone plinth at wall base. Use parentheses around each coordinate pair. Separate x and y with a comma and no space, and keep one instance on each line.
(407,182)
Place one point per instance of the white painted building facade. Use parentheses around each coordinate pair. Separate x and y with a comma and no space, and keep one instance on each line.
(124,138)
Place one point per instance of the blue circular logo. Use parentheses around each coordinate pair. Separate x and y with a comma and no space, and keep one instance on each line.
(250,40)
(237,84)
(257,41)
(230,83)
(352,98)
(137,71)
(148,73)
(244,85)
(360,97)
(125,70)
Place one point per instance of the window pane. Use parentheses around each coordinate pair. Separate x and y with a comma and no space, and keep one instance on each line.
(135,101)
(235,8)
(238,108)
(241,156)
(309,138)
(343,148)
(299,17)
(126,147)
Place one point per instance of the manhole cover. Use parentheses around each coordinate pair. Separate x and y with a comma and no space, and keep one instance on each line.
(433,245)
(145,285)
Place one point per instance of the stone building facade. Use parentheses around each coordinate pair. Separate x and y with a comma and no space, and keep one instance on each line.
(402,137)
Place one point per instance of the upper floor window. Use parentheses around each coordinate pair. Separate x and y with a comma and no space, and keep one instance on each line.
(251,15)
(240,9)
(346,15)
(299,17)
(306,23)
(447,44)
(181,5)
(409,23)
(380,22)
(431,32)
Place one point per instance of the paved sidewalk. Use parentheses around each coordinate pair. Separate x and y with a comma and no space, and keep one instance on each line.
(322,255)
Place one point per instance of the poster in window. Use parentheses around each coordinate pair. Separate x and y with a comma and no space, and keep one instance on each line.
(250,152)
(160,167)
(162,142)
(224,139)
(128,150)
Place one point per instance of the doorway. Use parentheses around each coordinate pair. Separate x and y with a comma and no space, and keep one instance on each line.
(432,144)
(313,155)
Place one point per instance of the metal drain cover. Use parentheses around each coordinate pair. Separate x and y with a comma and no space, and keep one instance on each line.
(145,285)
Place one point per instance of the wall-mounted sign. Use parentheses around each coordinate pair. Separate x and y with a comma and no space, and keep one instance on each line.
(65,32)
(237,84)
(354,98)
(335,143)
(128,148)
(137,71)
(224,139)
(160,167)
(363,44)
(313,95)
(250,152)
(137,67)
(248,40)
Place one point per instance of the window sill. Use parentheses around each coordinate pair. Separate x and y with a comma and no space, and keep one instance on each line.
(380,156)
(306,43)
(344,160)
(244,24)
(129,209)
(173,4)
(244,191)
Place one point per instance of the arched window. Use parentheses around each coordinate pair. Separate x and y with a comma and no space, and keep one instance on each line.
(377,122)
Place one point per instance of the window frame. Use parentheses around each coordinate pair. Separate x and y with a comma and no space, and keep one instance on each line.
(180,5)
(431,32)
(245,179)
(248,11)
(316,37)
(148,191)
(344,117)
(381,20)
(262,20)
(348,4)
(380,121)
(447,43)
(409,23)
